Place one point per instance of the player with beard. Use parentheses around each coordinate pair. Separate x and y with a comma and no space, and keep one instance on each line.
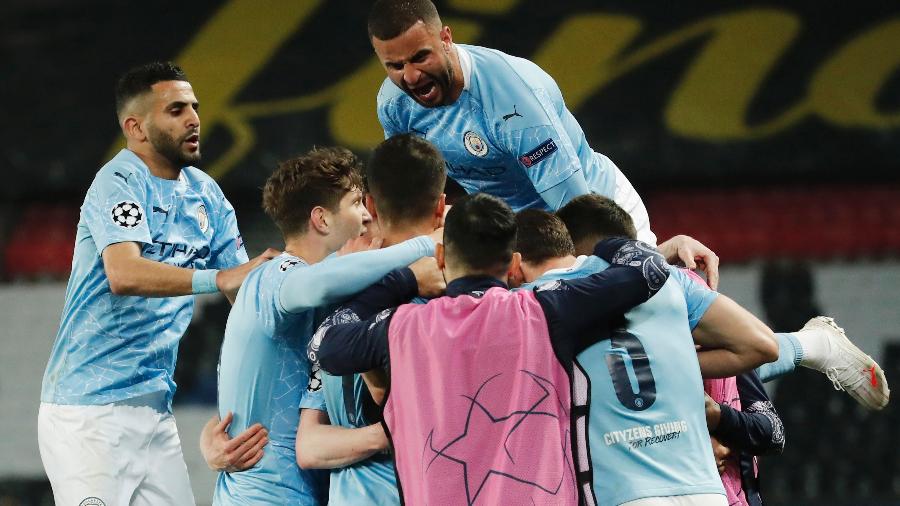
(153,231)
(500,121)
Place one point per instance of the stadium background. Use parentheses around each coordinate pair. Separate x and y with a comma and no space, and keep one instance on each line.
(770,132)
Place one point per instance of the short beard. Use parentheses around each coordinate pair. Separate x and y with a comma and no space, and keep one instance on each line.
(170,148)
(444,82)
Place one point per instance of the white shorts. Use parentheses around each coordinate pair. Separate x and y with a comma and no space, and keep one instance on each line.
(113,455)
(629,200)
(681,500)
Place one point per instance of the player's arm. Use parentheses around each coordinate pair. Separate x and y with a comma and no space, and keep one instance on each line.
(755,429)
(321,445)
(693,254)
(224,453)
(733,341)
(575,307)
(334,279)
(131,274)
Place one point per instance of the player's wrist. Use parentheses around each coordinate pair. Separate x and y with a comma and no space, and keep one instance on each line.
(204,281)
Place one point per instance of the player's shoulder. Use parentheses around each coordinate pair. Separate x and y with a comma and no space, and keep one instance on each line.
(389,94)
(126,167)
(496,66)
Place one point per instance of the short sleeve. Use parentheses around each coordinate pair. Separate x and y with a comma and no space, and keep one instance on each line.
(115,208)
(314,394)
(227,244)
(697,295)
(384,107)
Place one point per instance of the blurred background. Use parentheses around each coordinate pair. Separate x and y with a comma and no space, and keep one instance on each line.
(771,132)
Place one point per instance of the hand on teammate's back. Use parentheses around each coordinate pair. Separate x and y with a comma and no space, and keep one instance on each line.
(429,277)
(229,280)
(223,453)
(693,255)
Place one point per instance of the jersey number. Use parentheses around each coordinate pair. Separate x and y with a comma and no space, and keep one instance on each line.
(640,364)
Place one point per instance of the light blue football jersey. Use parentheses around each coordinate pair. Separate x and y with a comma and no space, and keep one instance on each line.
(264,369)
(641,424)
(110,347)
(263,375)
(509,133)
(371,482)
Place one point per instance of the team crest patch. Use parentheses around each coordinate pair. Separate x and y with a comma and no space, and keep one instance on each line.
(544,150)
(203,218)
(92,501)
(475,144)
(127,214)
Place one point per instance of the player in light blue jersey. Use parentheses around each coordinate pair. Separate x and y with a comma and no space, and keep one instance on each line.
(500,121)
(316,201)
(820,345)
(405,179)
(153,231)
(642,434)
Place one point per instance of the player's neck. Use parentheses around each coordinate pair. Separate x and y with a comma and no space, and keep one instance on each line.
(395,234)
(158,165)
(309,247)
(534,271)
(459,80)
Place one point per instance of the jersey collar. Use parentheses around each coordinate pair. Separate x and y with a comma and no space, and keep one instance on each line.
(465,63)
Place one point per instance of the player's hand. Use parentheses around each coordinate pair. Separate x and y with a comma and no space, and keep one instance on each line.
(229,280)
(721,453)
(429,277)
(693,255)
(222,453)
(364,242)
(713,413)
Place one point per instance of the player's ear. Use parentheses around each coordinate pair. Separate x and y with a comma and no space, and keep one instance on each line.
(133,128)
(439,256)
(318,220)
(439,211)
(370,206)
(446,38)
(514,274)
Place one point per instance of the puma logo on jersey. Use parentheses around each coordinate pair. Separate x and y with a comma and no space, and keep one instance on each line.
(161,210)
(512,114)
(124,178)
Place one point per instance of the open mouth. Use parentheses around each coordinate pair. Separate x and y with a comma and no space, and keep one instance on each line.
(193,141)
(427,92)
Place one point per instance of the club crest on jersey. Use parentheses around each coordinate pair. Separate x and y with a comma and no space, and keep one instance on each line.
(544,150)
(475,144)
(203,218)
(92,501)
(127,214)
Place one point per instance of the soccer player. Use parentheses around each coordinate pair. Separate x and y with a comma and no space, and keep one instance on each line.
(480,411)
(649,444)
(153,231)
(405,180)
(820,345)
(500,121)
(316,202)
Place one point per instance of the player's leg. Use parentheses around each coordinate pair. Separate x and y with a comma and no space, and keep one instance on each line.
(166,480)
(89,453)
(629,200)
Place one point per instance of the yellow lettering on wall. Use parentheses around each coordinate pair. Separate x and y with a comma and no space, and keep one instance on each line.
(712,99)
(845,88)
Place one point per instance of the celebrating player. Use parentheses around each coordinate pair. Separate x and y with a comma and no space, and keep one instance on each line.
(153,230)
(487,395)
(820,345)
(651,445)
(316,202)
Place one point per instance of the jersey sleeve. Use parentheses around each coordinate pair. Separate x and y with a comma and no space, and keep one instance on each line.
(540,142)
(227,247)
(384,108)
(313,396)
(756,429)
(115,209)
(347,347)
(698,296)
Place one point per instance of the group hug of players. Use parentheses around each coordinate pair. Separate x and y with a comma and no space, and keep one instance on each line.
(530,345)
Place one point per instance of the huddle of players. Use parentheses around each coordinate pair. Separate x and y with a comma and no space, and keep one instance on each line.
(586,388)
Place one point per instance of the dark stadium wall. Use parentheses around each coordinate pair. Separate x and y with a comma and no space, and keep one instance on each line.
(677,94)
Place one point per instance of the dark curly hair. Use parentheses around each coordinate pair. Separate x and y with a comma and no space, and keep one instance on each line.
(319,178)
(140,79)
